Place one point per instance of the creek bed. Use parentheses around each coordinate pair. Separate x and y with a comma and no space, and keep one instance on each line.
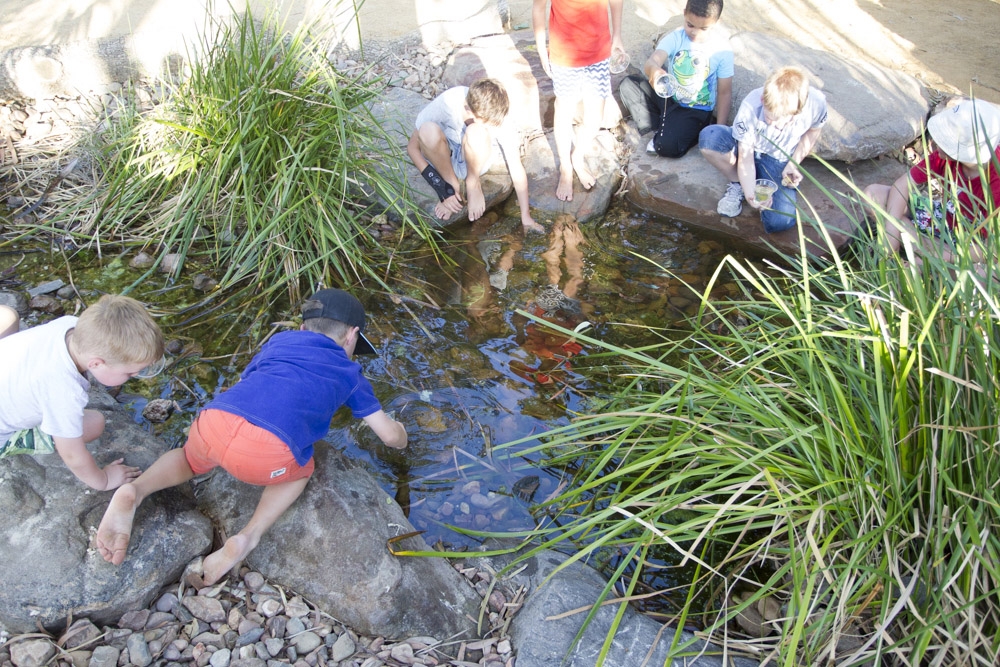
(459,362)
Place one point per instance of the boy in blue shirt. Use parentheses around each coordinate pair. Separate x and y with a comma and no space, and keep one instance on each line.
(700,61)
(262,429)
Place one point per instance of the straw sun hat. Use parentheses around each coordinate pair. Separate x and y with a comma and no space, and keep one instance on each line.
(967,132)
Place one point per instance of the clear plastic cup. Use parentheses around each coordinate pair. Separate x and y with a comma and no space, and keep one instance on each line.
(665,86)
(763,189)
(619,62)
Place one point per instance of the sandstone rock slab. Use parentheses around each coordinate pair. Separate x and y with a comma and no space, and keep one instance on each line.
(689,189)
(331,547)
(48,518)
(873,110)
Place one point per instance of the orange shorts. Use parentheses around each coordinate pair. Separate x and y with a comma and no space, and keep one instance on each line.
(249,453)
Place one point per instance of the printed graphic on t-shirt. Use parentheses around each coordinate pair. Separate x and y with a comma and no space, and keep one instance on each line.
(691,70)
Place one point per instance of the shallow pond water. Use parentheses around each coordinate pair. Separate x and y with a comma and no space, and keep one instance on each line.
(460,364)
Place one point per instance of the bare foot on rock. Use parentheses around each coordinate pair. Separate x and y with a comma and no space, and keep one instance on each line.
(219,563)
(564,191)
(587,179)
(116,526)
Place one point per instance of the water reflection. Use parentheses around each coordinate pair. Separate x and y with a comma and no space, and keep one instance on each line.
(465,369)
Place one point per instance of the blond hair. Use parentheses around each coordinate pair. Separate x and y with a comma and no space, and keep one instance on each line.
(487,100)
(786,91)
(118,330)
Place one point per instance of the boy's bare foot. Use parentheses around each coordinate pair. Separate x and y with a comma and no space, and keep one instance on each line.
(564,191)
(116,526)
(220,562)
(477,203)
(587,179)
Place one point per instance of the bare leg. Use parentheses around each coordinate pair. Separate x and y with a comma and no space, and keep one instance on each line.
(562,130)
(477,146)
(10,322)
(115,530)
(724,162)
(428,145)
(273,502)
(93,425)
(593,113)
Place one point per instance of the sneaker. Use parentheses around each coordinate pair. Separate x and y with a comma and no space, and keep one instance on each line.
(731,204)
(650,148)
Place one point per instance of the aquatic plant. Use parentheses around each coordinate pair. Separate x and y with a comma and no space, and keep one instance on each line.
(821,453)
(264,160)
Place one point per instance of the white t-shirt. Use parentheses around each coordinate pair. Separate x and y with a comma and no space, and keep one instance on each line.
(40,384)
(749,124)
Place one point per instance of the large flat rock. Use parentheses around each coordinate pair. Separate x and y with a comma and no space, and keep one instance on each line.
(689,189)
(873,110)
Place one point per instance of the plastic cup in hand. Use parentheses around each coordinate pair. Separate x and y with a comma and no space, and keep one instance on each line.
(619,62)
(763,189)
(665,86)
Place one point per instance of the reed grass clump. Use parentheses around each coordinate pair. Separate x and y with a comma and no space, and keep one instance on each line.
(265,161)
(823,453)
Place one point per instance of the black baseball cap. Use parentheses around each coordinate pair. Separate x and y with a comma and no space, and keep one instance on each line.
(344,307)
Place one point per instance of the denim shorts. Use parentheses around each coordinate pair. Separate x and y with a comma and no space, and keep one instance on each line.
(781,215)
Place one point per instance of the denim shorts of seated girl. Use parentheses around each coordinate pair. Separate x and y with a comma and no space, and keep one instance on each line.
(781,215)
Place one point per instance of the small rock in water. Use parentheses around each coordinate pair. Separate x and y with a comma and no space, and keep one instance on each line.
(159,410)
(46,304)
(171,264)
(174,346)
(46,288)
(141,261)
(204,282)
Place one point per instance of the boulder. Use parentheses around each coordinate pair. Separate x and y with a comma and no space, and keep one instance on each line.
(544,631)
(873,110)
(540,163)
(51,571)
(331,546)
(689,189)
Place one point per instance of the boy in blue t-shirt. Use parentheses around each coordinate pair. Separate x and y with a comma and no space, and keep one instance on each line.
(700,61)
(262,429)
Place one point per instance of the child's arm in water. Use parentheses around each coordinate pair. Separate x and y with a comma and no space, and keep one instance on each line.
(390,431)
(74,454)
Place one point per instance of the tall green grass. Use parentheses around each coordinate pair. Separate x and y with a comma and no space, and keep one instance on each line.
(825,446)
(265,161)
